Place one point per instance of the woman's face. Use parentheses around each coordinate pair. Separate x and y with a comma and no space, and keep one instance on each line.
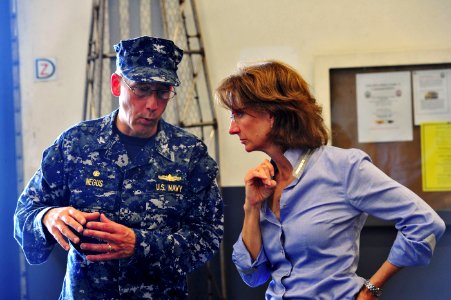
(252,127)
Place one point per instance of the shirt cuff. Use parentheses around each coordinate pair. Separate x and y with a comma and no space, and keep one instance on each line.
(243,260)
(407,253)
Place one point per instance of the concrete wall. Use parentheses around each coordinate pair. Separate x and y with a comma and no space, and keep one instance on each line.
(58,30)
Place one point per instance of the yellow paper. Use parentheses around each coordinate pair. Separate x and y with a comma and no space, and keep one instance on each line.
(436,156)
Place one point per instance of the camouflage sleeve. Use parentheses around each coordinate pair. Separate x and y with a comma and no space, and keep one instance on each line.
(44,191)
(201,233)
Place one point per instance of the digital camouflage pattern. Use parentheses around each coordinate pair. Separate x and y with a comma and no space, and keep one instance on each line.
(168,196)
(148,59)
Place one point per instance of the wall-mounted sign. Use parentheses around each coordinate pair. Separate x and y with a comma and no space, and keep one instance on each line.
(384,104)
(432,95)
(436,156)
(45,68)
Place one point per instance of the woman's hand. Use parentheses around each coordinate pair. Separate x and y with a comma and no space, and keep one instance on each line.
(382,275)
(259,184)
(365,294)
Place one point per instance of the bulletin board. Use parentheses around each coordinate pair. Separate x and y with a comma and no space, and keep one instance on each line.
(401,160)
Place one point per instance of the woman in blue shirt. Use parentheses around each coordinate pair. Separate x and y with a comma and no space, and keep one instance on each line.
(305,208)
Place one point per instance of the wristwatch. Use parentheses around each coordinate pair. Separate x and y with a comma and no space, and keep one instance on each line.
(377,292)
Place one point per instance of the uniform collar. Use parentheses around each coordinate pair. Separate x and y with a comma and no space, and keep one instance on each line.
(163,138)
(107,138)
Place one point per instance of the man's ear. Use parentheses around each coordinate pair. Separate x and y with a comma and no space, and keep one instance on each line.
(116,84)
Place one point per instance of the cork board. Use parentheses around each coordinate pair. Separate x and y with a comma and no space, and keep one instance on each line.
(399,160)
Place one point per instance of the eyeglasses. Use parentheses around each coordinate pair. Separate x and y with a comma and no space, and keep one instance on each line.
(145,90)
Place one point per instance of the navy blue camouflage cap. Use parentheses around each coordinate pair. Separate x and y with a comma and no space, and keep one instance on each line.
(148,59)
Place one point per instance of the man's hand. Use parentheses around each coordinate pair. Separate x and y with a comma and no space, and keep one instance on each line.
(59,222)
(119,240)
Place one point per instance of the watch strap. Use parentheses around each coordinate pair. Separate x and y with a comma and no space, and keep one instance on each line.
(377,292)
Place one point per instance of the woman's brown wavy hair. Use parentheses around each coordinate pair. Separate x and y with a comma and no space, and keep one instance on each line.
(279,90)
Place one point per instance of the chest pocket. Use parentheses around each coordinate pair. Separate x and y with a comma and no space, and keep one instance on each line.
(94,188)
(168,200)
(155,196)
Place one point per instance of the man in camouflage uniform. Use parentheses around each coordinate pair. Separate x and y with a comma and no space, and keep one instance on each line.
(132,198)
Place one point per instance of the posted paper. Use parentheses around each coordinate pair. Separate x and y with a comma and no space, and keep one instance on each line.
(436,156)
(384,107)
(432,96)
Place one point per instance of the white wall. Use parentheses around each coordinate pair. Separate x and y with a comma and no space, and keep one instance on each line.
(300,32)
(51,29)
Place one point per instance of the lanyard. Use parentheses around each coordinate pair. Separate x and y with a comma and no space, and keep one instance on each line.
(300,165)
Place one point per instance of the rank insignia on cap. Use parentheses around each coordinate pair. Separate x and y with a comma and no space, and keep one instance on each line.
(149,59)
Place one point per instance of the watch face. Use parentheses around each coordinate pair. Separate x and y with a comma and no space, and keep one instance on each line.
(376,292)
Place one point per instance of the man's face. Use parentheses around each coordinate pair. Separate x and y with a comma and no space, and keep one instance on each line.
(141,106)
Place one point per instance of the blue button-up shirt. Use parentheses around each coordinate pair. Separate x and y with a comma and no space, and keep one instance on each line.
(313,251)
(167,194)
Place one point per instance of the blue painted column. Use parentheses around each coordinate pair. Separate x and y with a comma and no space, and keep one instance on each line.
(10,149)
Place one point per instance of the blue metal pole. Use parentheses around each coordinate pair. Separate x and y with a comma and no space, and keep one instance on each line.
(10,152)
